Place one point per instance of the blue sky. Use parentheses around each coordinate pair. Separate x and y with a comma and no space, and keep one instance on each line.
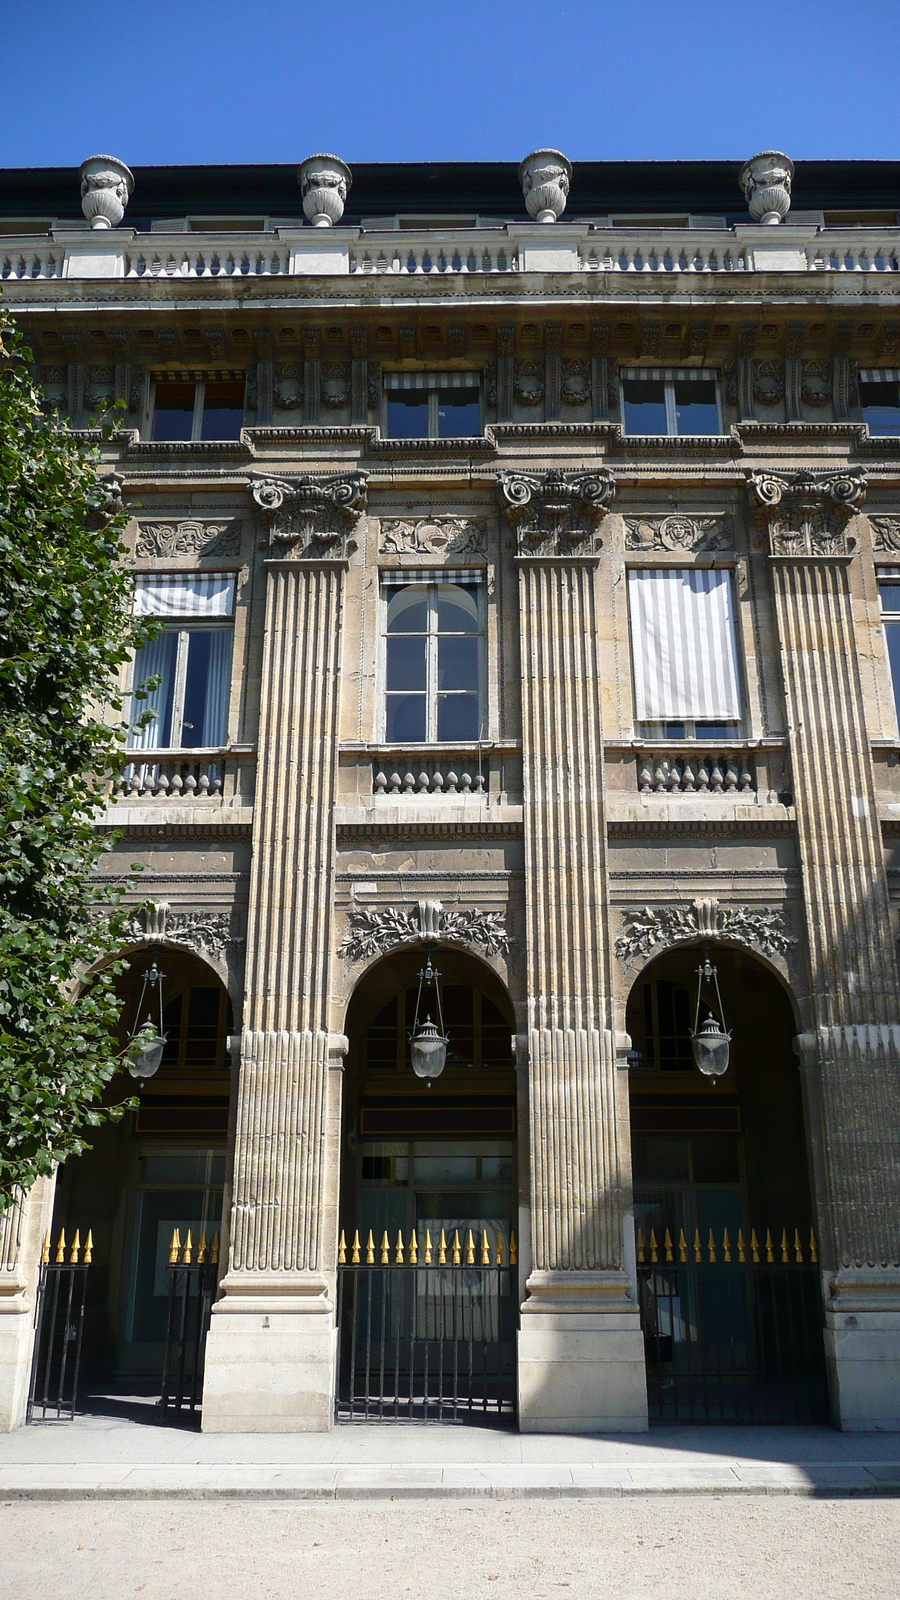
(180,81)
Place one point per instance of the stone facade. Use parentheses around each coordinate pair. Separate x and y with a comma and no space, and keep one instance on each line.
(565,846)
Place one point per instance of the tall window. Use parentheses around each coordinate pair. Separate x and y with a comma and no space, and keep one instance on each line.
(205,410)
(190,658)
(879,399)
(433,659)
(684,653)
(670,403)
(431,405)
(889,593)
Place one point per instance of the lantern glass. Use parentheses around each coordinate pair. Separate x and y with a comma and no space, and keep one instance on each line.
(149,1057)
(428,1051)
(712,1048)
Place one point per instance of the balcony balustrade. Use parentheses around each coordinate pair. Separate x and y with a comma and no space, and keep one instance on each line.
(188,777)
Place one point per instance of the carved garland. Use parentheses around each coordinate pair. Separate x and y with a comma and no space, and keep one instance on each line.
(372,933)
(677,532)
(189,537)
(208,933)
(434,536)
(707,918)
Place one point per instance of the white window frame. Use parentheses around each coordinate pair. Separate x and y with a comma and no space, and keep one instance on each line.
(183,627)
(890,575)
(670,376)
(432,579)
(397,383)
(199,401)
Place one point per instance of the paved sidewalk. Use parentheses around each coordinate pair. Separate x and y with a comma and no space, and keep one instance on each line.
(118,1456)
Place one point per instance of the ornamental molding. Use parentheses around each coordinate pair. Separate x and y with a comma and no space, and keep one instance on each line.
(528,382)
(433,536)
(762,928)
(189,537)
(806,513)
(373,933)
(207,933)
(575,389)
(316,514)
(556,513)
(768,382)
(885,532)
(678,532)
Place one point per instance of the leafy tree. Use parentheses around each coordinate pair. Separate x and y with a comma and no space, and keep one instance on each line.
(66,627)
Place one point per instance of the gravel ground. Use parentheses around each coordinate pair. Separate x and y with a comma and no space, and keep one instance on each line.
(687,1548)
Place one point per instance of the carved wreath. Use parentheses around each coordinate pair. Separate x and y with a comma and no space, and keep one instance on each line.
(752,925)
(372,933)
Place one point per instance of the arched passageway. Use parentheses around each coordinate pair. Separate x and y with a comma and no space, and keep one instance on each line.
(420,1335)
(163,1166)
(726,1253)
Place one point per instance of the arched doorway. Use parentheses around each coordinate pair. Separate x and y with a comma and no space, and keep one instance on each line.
(726,1252)
(163,1166)
(427,1323)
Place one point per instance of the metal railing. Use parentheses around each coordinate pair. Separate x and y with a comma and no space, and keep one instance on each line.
(59,1327)
(732,1334)
(192,1290)
(429,1336)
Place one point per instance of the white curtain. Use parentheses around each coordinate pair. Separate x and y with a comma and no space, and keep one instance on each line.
(192,594)
(683,645)
(156,659)
(218,684)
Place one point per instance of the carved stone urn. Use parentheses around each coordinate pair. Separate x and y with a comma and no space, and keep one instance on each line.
(324,186)
(766,182)
(106,187)
(545,177)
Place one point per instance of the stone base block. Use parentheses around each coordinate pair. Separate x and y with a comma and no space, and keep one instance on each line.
(862,1353)
(270,1360)
(581,1357)
(16,1344)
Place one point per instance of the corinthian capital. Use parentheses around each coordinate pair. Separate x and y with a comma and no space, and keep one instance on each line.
(806,513)
(316,514)
(556,513)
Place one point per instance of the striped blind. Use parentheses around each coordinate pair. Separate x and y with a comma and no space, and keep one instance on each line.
(432,380)
(671,374)
(683,645)
(189,594)
(400,575)
(879,374)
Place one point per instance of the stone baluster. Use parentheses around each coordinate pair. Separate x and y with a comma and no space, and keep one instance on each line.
(851,1054)
(578,1309)
(283,1225)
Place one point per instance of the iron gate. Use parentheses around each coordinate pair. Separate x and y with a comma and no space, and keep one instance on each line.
(731,1334)
(192,1290)
(429,1337)
(59,1325)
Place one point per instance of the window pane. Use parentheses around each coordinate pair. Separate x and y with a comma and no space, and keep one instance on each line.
(890,596)
(458,414)
(223,411)
(406,663)
(156,659)
(457,718)
(457,663)
(457,608)
(173,413)
(673,730)
(206,689)
(407,416)
(880,404)
(695,407)
(644,404)
(407,610)
(405,718)
(716,730)
(892,634)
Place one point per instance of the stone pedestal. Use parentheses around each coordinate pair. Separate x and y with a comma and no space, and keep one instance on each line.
(581,1355)
(862,1349)
(270,1355)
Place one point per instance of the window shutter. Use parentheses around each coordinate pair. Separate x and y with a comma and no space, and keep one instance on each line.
(195,594)
(683,645)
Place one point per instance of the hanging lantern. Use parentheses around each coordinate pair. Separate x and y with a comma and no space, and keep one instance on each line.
(711,1043)
(428,1041)
(150,1039)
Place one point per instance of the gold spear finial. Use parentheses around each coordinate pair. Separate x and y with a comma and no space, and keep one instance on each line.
(214,1253)
(667,1241)
(188,1250)
(499,1252)
(640,1248)
(427,1247)
(654,1253)
(174,1247)
(88,1256)
(76,1246)
(413,1249)
(45,1249)
(770,1248)
(342,1250)
(784,1245)
(798,1248)
(398,1253)
(385,1249)
(741,1252)
(698,1250)
(754,1246)
(201,1249)
(711,1246)
(513,1259)
(457,1253)
(813,1253)
(682,1245)
(485,1250)
(370,1250)
(442,1250)
(354,1252)
(61,1248)
(470,1249)
(726,1247)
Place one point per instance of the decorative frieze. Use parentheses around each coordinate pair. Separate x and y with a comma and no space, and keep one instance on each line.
(372,933)
(762,928)
(312,516)
(576,383)
(806,513)
(207,933)
(433,536)
(885,533)
(555,513)
(528,383)
(287,388)
(816,378)
(768,382)
(679,532)
(191,536)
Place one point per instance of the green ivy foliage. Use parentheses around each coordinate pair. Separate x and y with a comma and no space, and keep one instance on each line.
(66,626)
